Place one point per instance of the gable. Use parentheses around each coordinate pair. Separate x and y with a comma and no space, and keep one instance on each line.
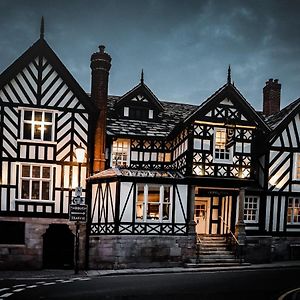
(139,103)
(39,78)
(227,105)
(288,135)
(226,110)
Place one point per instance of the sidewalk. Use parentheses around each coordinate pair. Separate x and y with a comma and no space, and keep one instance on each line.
(50,274)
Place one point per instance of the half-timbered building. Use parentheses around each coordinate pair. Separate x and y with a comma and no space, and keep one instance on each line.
(45,115)
(161,179)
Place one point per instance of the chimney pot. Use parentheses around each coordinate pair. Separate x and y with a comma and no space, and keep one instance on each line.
(101,48)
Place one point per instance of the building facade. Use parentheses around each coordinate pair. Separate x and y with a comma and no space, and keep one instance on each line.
(156,174)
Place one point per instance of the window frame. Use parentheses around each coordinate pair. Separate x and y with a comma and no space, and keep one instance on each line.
(229,151)
(293,208)
(127,163)
(40,179)
(296,174)
(251,210)
(160,203)
(34,122)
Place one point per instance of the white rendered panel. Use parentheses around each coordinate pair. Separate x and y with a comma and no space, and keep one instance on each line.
(268,206)
(275,209)
(282,214)
(179,216)
(125,188)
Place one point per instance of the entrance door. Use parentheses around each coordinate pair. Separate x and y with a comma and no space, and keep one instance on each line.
(200,216)
(58,247)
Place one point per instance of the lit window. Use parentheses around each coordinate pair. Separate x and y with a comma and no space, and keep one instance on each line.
(120,152)
(221,153)
(251,209)
(37,125)
(293,212)
(35,182)
(126,111)
(153,203)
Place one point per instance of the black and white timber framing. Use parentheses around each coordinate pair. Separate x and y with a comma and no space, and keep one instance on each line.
(172,169)
(39,82)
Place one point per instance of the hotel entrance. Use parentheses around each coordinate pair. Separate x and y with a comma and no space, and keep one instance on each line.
(214,214)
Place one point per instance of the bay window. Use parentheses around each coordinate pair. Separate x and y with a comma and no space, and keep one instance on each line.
(153,202)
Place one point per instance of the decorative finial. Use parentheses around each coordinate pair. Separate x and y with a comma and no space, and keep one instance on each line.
(142,76)
(229,75)
(42,29)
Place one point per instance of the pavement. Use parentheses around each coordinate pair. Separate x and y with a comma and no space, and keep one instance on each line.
(50,274)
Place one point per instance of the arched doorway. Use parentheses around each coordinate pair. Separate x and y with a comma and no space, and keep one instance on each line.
(58,247)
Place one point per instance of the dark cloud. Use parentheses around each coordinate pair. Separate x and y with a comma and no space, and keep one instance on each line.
(184,47)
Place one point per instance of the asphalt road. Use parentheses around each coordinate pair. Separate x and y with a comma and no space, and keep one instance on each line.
(247,284)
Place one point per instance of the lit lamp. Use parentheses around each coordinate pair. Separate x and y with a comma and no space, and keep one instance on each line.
(80,155)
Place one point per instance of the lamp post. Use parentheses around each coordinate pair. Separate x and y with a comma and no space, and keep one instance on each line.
(80,154)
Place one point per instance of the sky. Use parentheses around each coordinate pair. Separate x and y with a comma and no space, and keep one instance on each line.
(184,47)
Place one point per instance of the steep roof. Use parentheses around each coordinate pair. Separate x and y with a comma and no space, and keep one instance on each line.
(41,48)
(172,114)
(276,119)
(141,88)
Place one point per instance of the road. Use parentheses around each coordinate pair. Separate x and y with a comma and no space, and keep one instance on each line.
(242,285)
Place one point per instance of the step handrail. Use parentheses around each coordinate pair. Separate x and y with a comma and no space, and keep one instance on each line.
(235,239)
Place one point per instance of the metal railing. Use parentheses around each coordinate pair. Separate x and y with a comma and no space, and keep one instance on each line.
(233,243)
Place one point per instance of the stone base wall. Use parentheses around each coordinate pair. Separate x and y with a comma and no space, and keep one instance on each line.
(140,251)
(262,249)
(30,255)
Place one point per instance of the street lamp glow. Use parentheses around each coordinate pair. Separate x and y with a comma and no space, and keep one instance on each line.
(80,154)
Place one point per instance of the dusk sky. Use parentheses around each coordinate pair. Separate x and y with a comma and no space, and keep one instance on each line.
(184,47)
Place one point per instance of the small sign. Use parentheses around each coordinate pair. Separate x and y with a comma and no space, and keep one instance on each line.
(78,200)
(78,213)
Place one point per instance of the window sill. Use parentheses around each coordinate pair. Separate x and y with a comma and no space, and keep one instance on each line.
(221,161)
(36,142)
(12,245)
(34,201)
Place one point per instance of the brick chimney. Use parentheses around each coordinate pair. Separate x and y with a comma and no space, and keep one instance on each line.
(100,65)
(271,94)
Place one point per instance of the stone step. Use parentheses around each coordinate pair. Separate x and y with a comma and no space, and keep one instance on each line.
(218,260)
(214,265)
(217,256)
(213,245)
(213,252)
(208,248)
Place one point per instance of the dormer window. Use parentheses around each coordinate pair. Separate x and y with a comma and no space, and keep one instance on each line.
(150,114)
(126,111)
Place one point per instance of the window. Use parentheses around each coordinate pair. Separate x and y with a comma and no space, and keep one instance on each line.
(153,203)
(12,232)
(221,153)
(297,169)
(35,182)
(37,125)
(120,152)
(251,209)
(150,114)
(126,111)
(293,213)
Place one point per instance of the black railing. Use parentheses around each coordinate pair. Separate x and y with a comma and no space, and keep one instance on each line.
(232,243)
